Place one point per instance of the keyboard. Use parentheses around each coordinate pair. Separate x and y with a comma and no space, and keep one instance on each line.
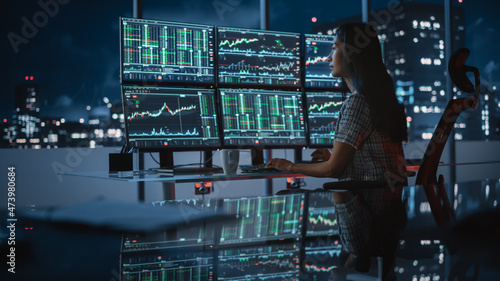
(260,168)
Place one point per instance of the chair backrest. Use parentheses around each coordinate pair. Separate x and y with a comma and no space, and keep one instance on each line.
(457,69)
(427,173)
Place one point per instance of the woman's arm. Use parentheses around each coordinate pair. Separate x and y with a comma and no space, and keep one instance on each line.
(341,155)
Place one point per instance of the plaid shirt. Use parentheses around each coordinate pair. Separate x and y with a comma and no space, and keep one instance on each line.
(377,158)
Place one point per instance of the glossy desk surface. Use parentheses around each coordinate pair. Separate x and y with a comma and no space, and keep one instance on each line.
(154,176)
(423,253)
(474,237)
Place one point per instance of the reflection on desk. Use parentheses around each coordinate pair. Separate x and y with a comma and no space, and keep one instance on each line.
(153,176)
(295,237)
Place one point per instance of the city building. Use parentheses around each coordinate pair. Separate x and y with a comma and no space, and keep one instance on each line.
(29,129)
(414,50)
(26,119)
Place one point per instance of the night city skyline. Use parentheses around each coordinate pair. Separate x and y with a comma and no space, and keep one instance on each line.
(72,52)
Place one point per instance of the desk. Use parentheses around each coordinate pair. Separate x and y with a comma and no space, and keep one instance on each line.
(169,182)
(422,250)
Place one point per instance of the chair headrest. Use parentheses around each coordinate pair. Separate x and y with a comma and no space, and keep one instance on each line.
(457,70)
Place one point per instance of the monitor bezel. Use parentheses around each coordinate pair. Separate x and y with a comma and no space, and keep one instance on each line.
(258,146)
(258,86)
(171,148)
(167,83)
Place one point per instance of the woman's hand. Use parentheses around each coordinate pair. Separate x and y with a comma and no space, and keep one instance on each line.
(320,155)
(280,164)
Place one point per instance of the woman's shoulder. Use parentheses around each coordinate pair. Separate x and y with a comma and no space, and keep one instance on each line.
(355,98)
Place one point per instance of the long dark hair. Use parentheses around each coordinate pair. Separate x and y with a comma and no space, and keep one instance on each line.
(365,67)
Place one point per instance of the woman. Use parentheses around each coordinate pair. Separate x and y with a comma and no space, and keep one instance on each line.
(368,138)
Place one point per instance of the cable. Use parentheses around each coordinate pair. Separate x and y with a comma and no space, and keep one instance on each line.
(157,162)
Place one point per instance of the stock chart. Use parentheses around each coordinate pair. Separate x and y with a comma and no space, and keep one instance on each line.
(255,117)
(323,112)
(317,70)
(258,57)
(175,265)
(321,218)
(158,51)
(277,262)
(159,117)
(263,218)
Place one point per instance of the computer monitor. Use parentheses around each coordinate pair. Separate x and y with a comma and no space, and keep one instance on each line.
(280,261)
(263,219)
(248,57)
(321,217)
(170,118)
(160,52)
(321,255)
(317,71)
(322,115)
(262,118)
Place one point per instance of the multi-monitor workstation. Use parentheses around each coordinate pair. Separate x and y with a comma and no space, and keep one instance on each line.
(200,87)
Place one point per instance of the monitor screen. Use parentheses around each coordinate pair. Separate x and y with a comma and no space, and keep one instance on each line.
(317,70)
(262,118)
(168,264)
(263,262)
(170,118)
(321,255)
(261,219)
(321,217)
(323,112)
(154,51)
(258,58)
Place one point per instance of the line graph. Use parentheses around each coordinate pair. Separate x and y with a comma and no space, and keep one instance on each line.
(258,57)
(162,133)
(158,117)
(314,60)
(160,111)
(259,263)
(177,116)
(322,222)
(323,219)
(326,107)
(234,42)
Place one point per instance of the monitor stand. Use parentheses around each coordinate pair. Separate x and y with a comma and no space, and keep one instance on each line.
(167,161)
(257,156)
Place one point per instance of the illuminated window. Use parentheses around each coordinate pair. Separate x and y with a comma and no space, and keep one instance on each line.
(426,136)
(426,61)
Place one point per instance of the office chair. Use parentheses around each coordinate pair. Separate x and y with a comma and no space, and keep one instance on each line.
(427,173)
(434,187)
